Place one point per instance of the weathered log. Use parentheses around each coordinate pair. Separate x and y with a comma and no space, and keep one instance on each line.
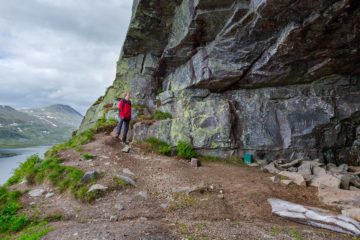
(315,217)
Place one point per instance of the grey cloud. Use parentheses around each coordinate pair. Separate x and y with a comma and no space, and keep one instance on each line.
(59,51)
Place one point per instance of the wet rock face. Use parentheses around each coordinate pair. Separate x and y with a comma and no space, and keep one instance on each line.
(273,77)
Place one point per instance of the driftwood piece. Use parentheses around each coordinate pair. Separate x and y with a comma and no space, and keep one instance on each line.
(315,217)
(290,164)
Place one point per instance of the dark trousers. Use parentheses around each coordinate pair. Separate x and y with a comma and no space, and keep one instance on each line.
(126,128)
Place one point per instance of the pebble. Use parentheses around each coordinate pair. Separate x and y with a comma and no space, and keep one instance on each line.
(49,195)
(195,163)
(126,149)
(221,196)
(36,192)
(96,187)
(128,180)
(143,194)
(128,172)
(119,207)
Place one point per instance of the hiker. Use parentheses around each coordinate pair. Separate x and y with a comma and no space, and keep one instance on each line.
(124,116)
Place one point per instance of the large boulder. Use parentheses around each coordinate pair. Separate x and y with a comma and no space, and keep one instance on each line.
(297,178)
(90,176)
(340,198)
(266,76)
(327,180)
(352,212)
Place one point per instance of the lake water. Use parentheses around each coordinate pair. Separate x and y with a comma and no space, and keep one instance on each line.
(9,162)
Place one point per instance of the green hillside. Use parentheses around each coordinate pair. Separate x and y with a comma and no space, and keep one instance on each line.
(41,126)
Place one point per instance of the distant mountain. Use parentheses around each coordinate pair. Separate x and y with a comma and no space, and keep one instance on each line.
(38,126)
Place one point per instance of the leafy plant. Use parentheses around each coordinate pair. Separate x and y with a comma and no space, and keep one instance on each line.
(185,150)
(159,146)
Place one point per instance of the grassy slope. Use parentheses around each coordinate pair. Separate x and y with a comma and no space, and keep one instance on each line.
(13,224)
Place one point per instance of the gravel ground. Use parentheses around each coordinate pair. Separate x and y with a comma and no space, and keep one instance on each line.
(226,202)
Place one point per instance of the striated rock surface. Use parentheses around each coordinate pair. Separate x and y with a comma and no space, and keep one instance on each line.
(271,77)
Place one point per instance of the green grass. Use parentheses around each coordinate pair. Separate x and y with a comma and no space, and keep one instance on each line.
(65,178)
(22,171)
(14,225)
(104,124)
(159,146)
(138,107)
(159,115)
(10,220)
(185,150)
(88,156)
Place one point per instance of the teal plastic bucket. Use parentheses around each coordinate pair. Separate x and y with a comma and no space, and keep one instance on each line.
(248,158)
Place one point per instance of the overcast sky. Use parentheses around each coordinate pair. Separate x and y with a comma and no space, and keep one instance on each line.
(59,51)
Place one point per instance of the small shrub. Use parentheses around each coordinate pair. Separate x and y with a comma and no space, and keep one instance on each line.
(88,156)
(159,146)
(158,115)
(185,150)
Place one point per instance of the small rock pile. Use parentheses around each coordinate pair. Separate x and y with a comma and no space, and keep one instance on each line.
(304,172)
(337,185)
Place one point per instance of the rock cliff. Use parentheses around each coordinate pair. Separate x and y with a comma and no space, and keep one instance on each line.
(273,77)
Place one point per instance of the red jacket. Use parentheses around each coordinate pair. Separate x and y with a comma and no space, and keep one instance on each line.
(125,109)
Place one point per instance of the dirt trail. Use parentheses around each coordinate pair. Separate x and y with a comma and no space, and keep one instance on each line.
(236,208)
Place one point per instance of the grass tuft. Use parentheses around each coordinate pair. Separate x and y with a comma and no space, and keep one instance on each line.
(295,234)
(159,115)
(88,156)
(185,150)
(182,200)
(159,146)
(65,178)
